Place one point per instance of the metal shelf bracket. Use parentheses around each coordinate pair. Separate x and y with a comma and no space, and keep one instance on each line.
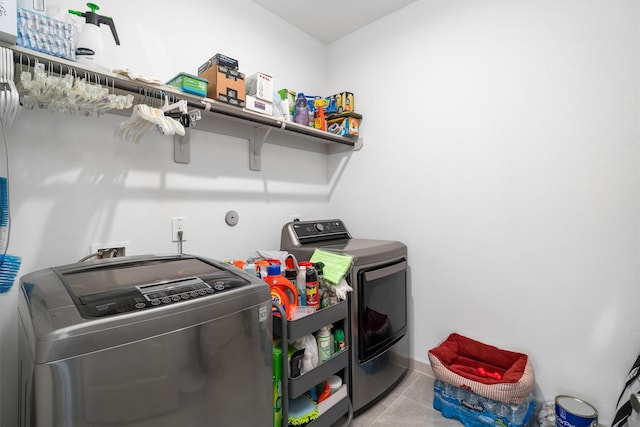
(182,147)
(256,141)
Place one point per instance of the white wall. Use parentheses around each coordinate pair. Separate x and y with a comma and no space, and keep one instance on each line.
(73,184)
(501,144)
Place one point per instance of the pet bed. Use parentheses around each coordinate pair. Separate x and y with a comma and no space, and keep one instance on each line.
(483,369)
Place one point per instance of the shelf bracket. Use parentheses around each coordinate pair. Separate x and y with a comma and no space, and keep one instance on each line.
(256,141)
(182,147)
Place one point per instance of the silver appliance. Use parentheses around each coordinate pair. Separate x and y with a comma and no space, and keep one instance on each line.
(379,345)
(144,341)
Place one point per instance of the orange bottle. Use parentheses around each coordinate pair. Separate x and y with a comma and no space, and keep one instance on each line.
(281,287)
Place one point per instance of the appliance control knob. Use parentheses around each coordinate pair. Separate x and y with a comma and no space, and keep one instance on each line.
(319,227)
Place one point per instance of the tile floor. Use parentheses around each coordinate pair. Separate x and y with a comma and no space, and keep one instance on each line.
(410,403)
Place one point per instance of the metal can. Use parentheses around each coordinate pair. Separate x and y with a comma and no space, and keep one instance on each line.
(574,412)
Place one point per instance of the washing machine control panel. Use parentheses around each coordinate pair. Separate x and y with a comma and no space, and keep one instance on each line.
(306,230)
(155,295)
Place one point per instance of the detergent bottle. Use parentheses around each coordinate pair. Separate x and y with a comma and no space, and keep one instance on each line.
(90,47)
(301,114)
(282,290)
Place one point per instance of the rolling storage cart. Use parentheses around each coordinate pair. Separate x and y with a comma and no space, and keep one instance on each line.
(338,405)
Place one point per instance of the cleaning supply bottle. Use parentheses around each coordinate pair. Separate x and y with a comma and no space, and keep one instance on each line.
(251,269)
(301,115)
(313,297)
(282,290)
(324,344)
(90,48)
(339,342)
(323,286)
(301,285)
(292,275)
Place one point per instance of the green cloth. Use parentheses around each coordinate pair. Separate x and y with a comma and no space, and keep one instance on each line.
(336,265)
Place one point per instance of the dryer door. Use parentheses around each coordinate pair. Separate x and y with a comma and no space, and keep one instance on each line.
(382,307)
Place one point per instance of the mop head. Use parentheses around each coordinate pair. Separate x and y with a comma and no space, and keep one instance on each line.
(302,411)
(9,266)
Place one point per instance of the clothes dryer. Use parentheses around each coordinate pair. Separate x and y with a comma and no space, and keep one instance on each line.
(379,346)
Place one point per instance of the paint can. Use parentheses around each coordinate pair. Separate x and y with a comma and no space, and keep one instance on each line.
(573,412)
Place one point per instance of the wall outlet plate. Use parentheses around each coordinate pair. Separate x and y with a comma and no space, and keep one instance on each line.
(178,223)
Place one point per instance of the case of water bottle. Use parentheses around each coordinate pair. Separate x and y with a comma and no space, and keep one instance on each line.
(477,411)
(47,35)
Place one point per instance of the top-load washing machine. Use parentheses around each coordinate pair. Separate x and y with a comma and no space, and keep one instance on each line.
(160,341)
(379,347)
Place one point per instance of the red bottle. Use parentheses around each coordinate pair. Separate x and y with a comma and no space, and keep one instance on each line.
(313,291)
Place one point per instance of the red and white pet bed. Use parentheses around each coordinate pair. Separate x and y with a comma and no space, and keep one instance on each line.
(483,369)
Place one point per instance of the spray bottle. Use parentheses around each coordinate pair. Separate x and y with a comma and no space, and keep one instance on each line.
(90,46)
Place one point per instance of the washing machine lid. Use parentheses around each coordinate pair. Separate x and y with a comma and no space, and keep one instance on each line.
(302,238)
(118,278)
(134,284)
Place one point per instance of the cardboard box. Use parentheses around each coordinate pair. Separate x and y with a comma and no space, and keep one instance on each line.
(344,126)
(277,385)
(225,85)
(260,85)
(258,105)
(218,59)
(190,84)
(342,102)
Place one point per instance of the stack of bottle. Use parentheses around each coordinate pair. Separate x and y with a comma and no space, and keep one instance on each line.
(474,410)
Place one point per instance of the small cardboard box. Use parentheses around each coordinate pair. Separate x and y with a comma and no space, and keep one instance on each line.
(260,85)
(342,102)
(344,126)
(190,84)
(259,105)
(225,85)
(218,59)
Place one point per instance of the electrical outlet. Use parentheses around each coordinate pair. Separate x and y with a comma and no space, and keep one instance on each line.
(109,250)
(178,224)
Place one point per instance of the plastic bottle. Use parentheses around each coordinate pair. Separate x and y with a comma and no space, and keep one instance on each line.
(339,342)
(324,344)
(323,287)
(292,275)
(301,285)
(335,382)
(313,292)
(251,269)
(90,46)
(284,286)
(301,115)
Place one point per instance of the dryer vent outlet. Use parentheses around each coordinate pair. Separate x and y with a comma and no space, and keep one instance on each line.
(111,252)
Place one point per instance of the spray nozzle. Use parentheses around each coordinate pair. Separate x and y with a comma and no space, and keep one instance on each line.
(91,17)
